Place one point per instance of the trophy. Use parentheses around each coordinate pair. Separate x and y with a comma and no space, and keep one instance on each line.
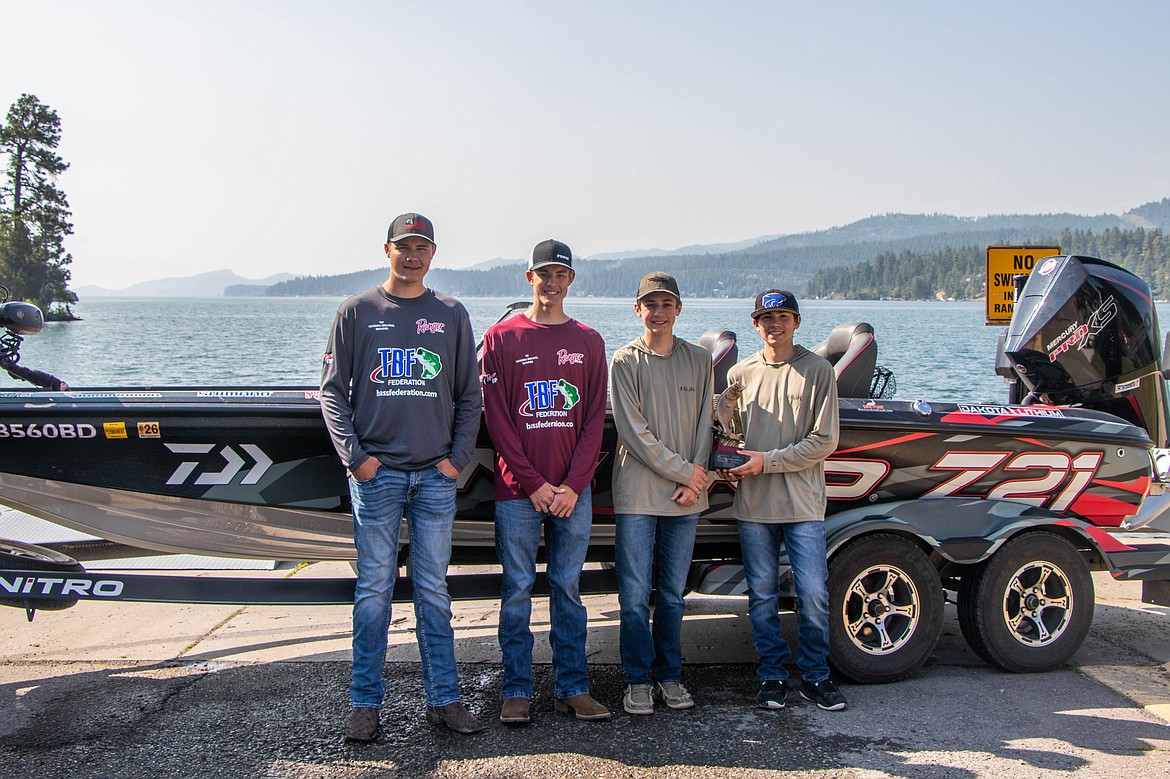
(728,430)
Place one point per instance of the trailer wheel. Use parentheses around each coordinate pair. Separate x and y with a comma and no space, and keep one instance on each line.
(885,609)
(15,555)
(1029,607)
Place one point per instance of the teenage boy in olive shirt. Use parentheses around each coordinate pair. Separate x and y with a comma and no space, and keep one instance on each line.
(790,422)
(660,391)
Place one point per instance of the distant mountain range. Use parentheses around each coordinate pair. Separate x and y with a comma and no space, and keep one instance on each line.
(708,270)
(202,285)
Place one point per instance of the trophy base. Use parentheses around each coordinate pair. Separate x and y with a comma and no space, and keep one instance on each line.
(725,458)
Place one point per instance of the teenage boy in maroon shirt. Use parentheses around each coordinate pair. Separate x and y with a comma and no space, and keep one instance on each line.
(544,386)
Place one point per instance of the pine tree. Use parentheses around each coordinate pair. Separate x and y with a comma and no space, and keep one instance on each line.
(34,213)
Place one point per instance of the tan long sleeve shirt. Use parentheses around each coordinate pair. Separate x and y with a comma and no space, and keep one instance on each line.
(662,410)
(790,414)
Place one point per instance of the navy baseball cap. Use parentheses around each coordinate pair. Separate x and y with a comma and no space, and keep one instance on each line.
(776,300)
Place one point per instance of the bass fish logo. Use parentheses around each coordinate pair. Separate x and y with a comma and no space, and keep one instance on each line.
(400,364)
(542,397)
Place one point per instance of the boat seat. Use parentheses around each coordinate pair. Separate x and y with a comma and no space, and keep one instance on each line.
(852,350)
(724,353)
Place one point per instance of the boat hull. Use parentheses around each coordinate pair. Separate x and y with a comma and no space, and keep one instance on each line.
(252,473)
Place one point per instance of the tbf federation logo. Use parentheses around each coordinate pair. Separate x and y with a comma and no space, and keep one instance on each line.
(542,396)
(397,363)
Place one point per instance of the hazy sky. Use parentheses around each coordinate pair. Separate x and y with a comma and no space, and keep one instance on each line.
(284,136)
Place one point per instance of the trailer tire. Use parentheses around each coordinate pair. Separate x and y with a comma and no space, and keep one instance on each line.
(885,609)
(1029,607)
(15,555)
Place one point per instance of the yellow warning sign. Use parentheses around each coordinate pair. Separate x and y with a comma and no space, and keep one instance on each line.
(1003,264)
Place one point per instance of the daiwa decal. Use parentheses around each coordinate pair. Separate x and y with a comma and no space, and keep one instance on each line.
(48,430)
(114,429)
(399,366)
(234,463)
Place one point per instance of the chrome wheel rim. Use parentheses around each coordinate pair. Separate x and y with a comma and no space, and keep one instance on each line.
(882,609)
(1038,603)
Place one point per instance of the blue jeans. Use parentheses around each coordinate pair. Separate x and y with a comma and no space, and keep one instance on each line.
(428,499)
(760,545)
(645,543)
(566,540)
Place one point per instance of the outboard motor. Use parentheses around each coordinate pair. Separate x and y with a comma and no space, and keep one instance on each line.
(1085,332)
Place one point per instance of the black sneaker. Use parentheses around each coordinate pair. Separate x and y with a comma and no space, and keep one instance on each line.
(824,694)
(773,694)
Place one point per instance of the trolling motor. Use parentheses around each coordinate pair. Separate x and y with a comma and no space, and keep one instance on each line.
(19,319)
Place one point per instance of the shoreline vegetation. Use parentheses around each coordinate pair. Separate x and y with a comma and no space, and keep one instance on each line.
(894,256)
(905,269)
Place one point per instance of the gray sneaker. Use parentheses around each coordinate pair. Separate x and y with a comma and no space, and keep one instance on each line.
(362,724)
(637,699)
(674,695)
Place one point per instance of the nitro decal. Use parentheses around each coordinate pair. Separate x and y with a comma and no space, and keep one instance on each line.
(550,399)
(114,429)
(231,460)
(49,430)
(1078,335)
(1011,411)
(45,585)
(429,327)
(565,357)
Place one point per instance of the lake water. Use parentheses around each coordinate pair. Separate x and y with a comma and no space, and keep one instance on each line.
(937,351)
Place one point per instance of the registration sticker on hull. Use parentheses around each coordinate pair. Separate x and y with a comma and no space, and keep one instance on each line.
(149,430)
(114,429)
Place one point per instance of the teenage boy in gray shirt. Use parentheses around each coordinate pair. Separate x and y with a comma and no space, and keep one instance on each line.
(401,399)
(660,390)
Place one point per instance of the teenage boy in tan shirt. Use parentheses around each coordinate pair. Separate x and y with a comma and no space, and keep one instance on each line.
(660,391)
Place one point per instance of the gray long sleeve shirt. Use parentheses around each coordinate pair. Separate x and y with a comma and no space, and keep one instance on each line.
(400,381)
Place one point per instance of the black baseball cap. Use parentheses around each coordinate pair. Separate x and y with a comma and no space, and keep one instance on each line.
(776,300)
(658,281)
(551,252)
(406,225)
